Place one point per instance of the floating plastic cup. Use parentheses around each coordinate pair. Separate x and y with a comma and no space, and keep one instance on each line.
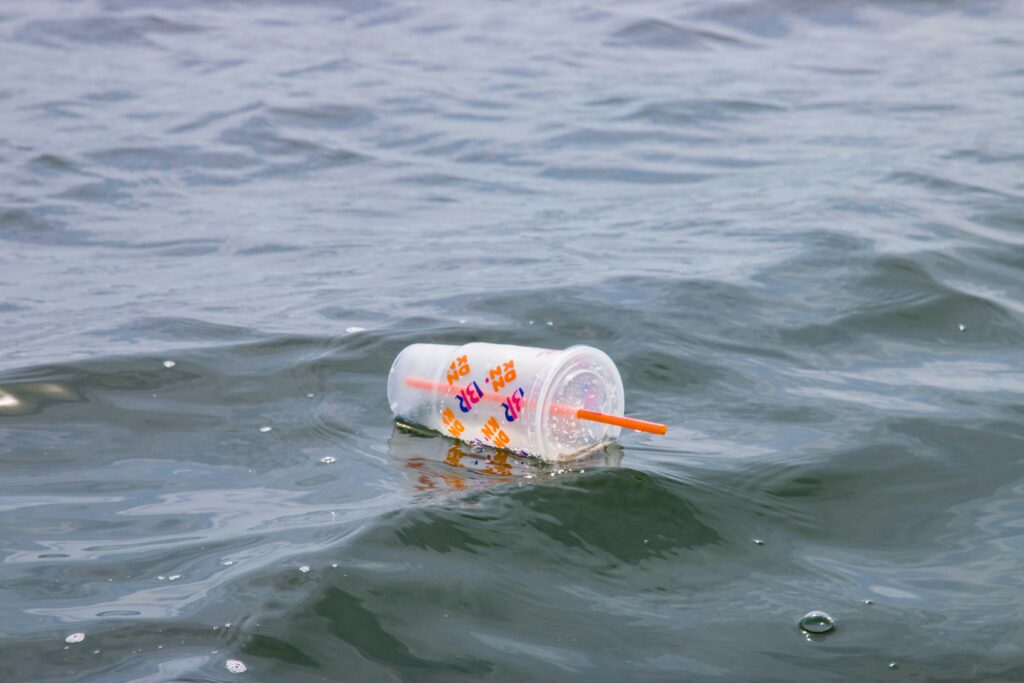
(549,403)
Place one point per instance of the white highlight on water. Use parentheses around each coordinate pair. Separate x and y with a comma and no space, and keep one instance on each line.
(169,363)
(355,328)
(328,459)
(75,638)
(265,428)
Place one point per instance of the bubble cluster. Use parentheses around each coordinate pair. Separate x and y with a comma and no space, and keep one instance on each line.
(236,666)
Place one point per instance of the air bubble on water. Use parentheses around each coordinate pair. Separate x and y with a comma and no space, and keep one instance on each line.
(304,569)
(169,363)
(355,328)
(328,459)
(817,621)
(265,428)
(236,666)
(75,638)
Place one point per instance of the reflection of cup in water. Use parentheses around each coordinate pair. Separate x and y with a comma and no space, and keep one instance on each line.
(445,465)
(514,397)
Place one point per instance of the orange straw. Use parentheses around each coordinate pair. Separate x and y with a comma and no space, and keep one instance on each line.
(581,414)
(627,422)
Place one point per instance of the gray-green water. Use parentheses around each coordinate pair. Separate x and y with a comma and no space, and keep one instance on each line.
(797,227)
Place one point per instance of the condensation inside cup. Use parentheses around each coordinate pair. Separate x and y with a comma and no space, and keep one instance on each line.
(585,384)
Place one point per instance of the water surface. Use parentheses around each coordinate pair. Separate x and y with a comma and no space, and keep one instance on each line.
(798,228)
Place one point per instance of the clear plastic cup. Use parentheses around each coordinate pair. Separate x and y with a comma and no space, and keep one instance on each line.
(514,397)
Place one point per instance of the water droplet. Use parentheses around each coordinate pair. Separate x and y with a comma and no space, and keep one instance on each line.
(265,428)
(236,666)
(758,541)
(304,569)
(893,665)
(817,621)
(328,459)
(354,329)
(169,363)
(961,327)
(75,638)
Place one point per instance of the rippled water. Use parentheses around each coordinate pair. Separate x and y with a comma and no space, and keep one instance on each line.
(797,227)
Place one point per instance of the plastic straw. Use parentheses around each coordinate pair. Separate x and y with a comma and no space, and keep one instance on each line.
(619,421)
(580,413)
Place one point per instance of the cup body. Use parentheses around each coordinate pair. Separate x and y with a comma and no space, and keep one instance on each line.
(513,397)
